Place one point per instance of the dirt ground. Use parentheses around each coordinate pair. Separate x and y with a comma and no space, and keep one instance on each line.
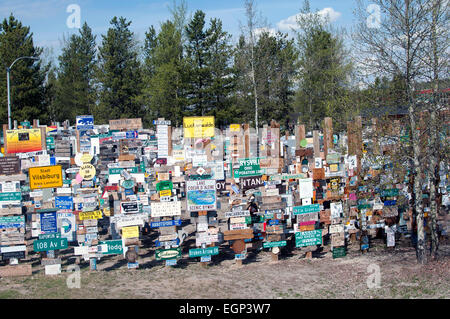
(292,276)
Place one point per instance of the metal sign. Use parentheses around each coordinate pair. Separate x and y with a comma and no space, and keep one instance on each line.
(308,238)
(198,252)
(85,122)
(50,244)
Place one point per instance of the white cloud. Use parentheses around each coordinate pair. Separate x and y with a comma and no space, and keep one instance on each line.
(291,22)
(259,31)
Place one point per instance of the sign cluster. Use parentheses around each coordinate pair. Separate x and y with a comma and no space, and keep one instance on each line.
(98,190)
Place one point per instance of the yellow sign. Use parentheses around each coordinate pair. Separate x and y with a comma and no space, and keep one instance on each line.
(22,141)
(45,177)
(96,214)
(195,127)
(235,127)
(130,232)
(87,171)
(165,193)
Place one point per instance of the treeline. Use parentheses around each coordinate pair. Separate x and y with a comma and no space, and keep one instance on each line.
(190,67)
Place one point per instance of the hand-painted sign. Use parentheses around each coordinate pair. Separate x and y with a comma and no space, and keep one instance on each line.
(130,232)
(46,177)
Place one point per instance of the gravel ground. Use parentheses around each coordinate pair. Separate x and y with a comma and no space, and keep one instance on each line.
(292,276)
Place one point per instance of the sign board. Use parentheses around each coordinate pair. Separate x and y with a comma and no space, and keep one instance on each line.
(85,122)
(97,214)
(164,254)
(113,247)
(248,167)
(250,182)
(64,202)
(201,195)
(50,244)
(9,165)
(305,209)
(308,238)
(166,223)
(46,177)
(130,232)
(12,222)
(23,141)
(198,252)
(129,207)
(161,209)
(48,222)
(198,127)
(87,171)
(270,244)
(125,124)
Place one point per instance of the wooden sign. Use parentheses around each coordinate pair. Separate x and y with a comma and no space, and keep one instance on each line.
(15,270)
(201,195)
(125,124)
(46,177)
(250,182)
(23,140)
(238,234)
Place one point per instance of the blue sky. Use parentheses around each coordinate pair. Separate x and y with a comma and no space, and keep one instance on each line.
(47,18)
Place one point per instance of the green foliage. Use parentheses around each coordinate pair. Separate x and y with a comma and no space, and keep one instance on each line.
(74,89)
(27,77)
(119,74)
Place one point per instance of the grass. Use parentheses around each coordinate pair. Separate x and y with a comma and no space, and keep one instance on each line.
(10,294)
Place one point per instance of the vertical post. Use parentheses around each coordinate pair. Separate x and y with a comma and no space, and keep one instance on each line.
(9,98)
(327,135)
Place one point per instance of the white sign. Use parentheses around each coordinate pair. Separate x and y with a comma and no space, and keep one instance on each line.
(306,187)
(161,209)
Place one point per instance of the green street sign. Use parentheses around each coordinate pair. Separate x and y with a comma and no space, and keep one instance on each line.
(25,124)
(339,252)
(248,167)
(270,244)
(9,196)
(315,208)
(308,238)
(50,244)
(118,170)
(198,252)
(164,254)
(114,247)
(50,141)
(164,186)
(364,206)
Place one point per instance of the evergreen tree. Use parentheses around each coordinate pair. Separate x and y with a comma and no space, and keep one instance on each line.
(219,63)
(27,77)
(119,74)
(197,56)
(164,69)
(74,91)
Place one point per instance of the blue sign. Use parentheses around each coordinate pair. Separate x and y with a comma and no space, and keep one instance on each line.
(167,223)
(204,259)
(64,202)
(390,203)
(171,262)
(132,134)
(48,223)
(85,122)
(129,191)
(274,222)
(170,242)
